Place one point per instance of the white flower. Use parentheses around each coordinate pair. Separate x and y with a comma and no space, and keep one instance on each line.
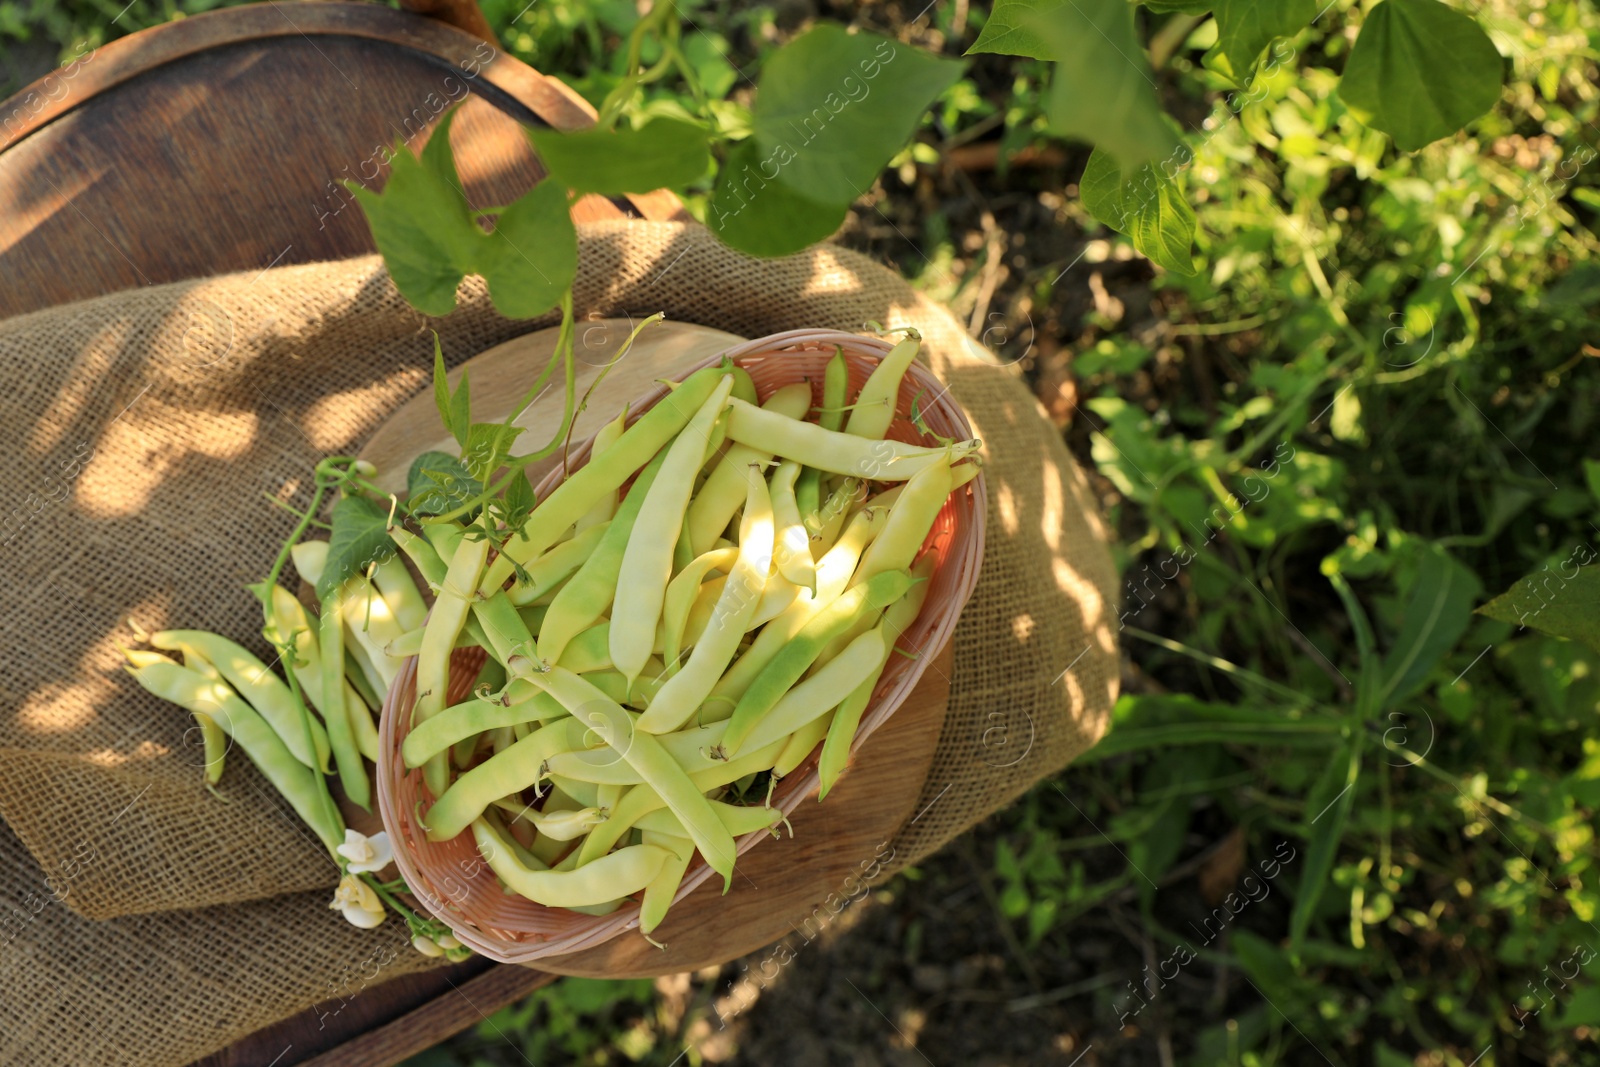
(366,854)
(359,903)
(427,946)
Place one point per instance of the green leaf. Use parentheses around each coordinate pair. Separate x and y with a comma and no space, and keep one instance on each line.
(1154,722)
(519,501)
(488,445)
(532,256)
(761,216)
(443,400)
(1554,601)
(360,538)
(1102,90)
(665,153)
(834,107)
(1246,27)
(460,422)
(1328,808)
(1420,71)
(1144,204)
(438,482)
(1010,32)
(1435,617)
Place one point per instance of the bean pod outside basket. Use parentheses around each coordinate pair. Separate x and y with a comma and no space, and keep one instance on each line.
(452,881)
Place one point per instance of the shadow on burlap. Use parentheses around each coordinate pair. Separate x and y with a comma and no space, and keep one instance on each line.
(145,430)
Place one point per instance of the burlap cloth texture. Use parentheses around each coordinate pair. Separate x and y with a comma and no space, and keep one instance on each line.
(145,430)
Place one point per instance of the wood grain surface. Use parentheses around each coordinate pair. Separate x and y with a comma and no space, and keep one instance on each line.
(218,143)
(779,884)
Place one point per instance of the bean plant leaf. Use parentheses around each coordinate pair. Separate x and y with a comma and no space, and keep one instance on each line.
(1246,27)
(439,482)
(762,217)
(1328,808)
(519,501)
(1420,71)
(833,108)
(1434,618)
(430,237)
(488,445)
(1009,30)
(532,256)
(1187,7)
(665,153)
(360,538)
(1102,90)
(448,402)
(1144,204)
(1554,601)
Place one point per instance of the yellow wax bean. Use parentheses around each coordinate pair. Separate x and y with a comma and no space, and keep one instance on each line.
(523,702)
(713,506)
(685,691)
(647,561)
(793,551)
(512,771)
(546,572)
(821,692)
(800,744)
(623,872)
(607,504)
(833,452)
(449,614)
(680,597)
(660,891)
(873,411)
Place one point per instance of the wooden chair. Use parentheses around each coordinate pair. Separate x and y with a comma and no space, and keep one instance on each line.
(217,143)
(192,149)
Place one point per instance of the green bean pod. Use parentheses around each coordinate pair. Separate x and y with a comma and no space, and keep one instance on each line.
(873,412)
(562,561)
(680,597)
(645,754)
(522,703)
(371,623)
(512,771)
(713,506)
(287,618)
(400,592)
(660,891)
(684,692)
(910,520)
(422,555)
(817,695)
(450,610)
(787,667)
(800,744)
(606,473)
(792,552)
(647,561)
(740,819)
(606,506)
(833,452)
(623,872)
(510,642)
(265,691)
(589,592)
(341,727)
(310,559)
(696,749)
(833,574)
(835,392)
(897,619)
(213,738)
(299,784)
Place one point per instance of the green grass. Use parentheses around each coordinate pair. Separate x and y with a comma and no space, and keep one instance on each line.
(1373,409)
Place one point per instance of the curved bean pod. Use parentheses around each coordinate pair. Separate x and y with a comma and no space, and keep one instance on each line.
(525,704)
(833,574)
(422,555)
(818,694)
(836,453)
(213,738)
(299,785)
(897,619)
(341,727)
(873,412)
(713,506)
(546,572)
(658,769)
(512,771)
(623,872)
(696,749)
(787,667)
(835,392)
(265,691)
(736,606)
(606,473)
(793,550)
(740,819)
(450,609)
(400,592)
(647,561)
(680,597)
(800,743)
(910,520)
(661,890)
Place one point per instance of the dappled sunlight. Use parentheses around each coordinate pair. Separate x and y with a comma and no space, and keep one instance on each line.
(1022,626)
(332,421)
(91,369)
(129,465)
(1005,505)
(61,707)
(144,750)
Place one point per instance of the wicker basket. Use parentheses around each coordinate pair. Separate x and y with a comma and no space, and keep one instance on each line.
(452,881)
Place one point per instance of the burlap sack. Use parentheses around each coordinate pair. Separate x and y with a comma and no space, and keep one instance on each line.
(145,429)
